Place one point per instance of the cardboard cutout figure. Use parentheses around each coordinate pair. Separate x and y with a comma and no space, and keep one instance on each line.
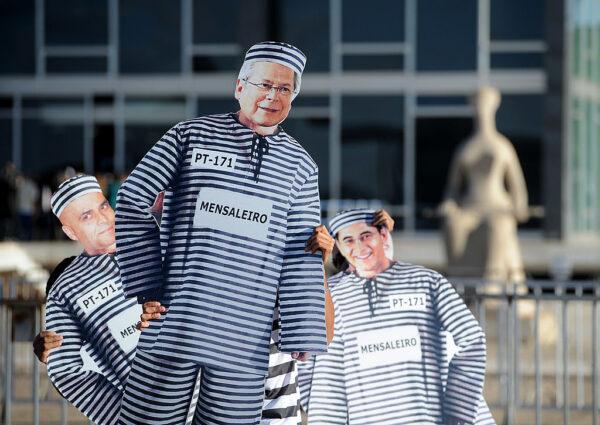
(387,362)
(241,200)
(281,394)
(87,308)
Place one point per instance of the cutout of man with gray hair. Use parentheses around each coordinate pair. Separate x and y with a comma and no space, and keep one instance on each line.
(241,200)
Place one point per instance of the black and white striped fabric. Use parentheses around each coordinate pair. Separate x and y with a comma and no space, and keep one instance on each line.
(386,365)
(281,405)
(282,398)
(159,391)
(347,218)
(72,189)
(232,244)
(277,52)
(86,305)
(484,415)
(320,363)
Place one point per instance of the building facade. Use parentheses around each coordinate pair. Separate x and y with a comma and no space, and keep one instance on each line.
(384,100)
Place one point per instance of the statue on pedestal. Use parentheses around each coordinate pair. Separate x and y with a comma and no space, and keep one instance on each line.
(485,198)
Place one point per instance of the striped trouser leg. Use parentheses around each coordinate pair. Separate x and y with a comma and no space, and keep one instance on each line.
(158,391)
(228,397)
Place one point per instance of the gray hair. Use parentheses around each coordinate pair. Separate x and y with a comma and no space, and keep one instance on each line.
(248,67)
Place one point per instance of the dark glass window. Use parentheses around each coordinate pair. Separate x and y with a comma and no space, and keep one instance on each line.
(303,100)
(76,22)
(372,148)
(52,136)
(216,21)
(442,100)
(79,65)
(5,141)
(516,60)
(517,19)
(138,141)
(437,140)
(377,21)
(168,110)
(313,135)
(149,36)
(305,24)
(17,32)
(6,104)
(216,63)
(447,35)
(373,62)
(104,148)
(146,120)
(210,106)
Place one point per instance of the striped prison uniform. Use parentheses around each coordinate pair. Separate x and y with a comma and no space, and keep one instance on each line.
(233,239)
(386,363)
(306,372)
(281,394)
(86,305)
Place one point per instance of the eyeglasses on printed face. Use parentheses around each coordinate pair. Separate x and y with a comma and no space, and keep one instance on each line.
(267,87)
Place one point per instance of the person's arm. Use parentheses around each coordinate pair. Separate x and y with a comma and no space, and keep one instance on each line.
(466,371)
(137,233)
(322,241)
(94,395)
(301,283)
(150,310)
(44,342)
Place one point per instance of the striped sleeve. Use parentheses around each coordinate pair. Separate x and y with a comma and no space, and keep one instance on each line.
(466,371)
(301,284)
(326,402)
(137,233)
(89,391)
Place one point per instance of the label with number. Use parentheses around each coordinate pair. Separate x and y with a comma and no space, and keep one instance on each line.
(93,299)
(408,302)
(214,160)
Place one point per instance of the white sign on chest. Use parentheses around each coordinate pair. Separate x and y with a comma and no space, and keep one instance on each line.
(416,301)
(212,160)
(232,212)
(122,327)
(389,346)
(98,296)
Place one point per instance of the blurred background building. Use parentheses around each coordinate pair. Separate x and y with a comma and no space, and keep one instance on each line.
(91,85)
(385,95)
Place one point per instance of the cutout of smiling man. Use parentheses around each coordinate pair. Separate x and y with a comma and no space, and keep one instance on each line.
(241,199)
(386,363)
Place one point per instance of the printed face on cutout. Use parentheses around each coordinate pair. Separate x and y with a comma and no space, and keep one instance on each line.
(90,220)
(363,246)
(265,109)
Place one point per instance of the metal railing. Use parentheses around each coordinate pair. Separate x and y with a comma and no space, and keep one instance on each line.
(26,394)
(542,343)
